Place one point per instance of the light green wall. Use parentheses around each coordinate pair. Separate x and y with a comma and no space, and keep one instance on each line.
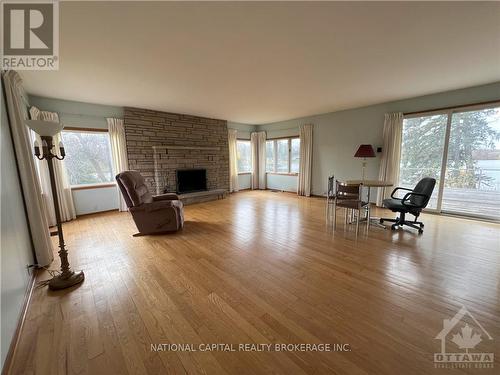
(338,134)
(15,241)
(243,130)
(282,182)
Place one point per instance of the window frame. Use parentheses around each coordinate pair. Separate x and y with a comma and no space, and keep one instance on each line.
(275,159)
(244,140)
(100,185)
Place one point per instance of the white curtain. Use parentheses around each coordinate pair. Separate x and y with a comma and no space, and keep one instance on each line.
(17,105)
(261,139)
(305,163)
(118,150)
(63,187)
(254,145)
(233,161)
(391,153)
(258,145)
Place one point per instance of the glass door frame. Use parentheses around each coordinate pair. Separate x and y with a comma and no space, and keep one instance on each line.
(444,161)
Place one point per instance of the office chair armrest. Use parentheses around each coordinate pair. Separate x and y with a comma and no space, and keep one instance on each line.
(407,197)
(396,189)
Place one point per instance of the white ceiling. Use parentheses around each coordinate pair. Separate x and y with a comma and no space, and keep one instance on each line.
(264,62)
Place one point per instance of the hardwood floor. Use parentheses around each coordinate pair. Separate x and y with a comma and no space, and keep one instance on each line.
(264,268)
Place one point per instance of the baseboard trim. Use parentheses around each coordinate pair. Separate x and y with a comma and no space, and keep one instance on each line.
(97,212)
(282,191)
(318,196)
(20,324)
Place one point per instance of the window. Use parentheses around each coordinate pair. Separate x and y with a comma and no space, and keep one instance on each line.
(244,151)
(282,155)
(88,157)
(460,148)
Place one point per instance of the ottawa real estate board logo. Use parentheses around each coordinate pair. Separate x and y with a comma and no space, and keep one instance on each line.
(464,343)
(30,35)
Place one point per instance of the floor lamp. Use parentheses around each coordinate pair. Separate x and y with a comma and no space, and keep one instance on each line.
(47,130)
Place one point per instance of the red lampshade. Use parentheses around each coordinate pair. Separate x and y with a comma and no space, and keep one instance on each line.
(365,151)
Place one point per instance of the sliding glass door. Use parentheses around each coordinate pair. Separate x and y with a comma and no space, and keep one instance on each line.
(472,178)
(461,150)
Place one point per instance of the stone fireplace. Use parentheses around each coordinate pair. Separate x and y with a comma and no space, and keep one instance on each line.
(160,143)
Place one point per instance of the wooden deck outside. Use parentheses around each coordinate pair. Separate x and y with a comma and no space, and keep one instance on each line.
(471,202)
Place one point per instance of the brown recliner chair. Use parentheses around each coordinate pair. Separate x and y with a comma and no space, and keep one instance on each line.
(151,214)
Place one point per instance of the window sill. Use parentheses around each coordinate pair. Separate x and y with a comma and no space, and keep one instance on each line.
(243,173)
(283,173)
(92,186)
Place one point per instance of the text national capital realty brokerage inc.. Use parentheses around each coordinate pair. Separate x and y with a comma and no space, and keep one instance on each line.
(250,347)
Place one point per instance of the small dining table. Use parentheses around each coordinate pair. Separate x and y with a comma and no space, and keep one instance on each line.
(369,184)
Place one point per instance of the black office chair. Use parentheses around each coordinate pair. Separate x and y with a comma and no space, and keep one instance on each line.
(413,202)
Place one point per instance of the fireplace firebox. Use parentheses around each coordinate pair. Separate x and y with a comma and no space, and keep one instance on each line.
(191,180)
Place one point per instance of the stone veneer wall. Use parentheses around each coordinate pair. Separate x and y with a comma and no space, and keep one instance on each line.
(204,141)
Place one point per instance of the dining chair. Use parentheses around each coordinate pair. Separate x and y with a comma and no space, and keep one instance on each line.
(350,198)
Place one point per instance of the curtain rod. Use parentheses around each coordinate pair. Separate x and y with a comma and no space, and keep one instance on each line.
(453,107)
(82,115)
(297,128)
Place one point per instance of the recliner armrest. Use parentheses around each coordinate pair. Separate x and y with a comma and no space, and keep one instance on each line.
(155,206)
(165,197)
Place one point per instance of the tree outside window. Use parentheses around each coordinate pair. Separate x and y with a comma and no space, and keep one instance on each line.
(88,157)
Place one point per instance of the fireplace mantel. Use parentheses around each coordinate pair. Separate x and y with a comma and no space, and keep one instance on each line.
(176,147)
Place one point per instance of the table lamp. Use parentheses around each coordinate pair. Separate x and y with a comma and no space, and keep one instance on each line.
(47,129)
(364,151)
